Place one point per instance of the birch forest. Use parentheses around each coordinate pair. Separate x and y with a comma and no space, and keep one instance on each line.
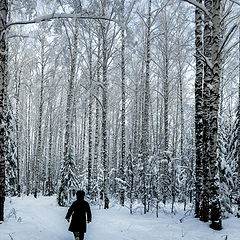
(136,102)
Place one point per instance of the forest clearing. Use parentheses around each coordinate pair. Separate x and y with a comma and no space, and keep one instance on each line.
(28,218)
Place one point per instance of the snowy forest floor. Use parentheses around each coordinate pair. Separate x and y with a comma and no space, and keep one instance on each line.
(27,218)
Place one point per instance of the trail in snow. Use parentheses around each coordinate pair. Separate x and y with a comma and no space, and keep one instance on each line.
(42,219)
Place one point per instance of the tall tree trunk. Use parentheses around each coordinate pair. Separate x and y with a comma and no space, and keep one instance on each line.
(70,93)
(18,87)
(104,111)
(68,126)
(198,108)
(165,92)
(146,106)
(3,82)
(50,143)
(166,107)
(39,142)
(28,146)
(90,118)
(214,107)
(238,116)
(83,139)
(97,127)
(135,122)
(123,143)
(206,111)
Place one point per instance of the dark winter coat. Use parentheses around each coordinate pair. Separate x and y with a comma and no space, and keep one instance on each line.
(78,210)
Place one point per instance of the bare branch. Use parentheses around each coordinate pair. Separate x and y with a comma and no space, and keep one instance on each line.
(235,1)
(225,40)
(227,12)
(52,16)
(226,53)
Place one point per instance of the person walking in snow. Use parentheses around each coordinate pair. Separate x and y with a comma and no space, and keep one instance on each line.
(78,211)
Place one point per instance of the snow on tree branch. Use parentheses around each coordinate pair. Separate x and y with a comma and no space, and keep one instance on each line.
(235,1)
(52,16)
(198,5)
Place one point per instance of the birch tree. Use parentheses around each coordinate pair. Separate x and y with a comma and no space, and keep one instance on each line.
(238,118)
(39,144)
(123,113)
(198,106)
(67,186)
(214,107)
(3,82)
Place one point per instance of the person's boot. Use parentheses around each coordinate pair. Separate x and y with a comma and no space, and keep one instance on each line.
(77,238)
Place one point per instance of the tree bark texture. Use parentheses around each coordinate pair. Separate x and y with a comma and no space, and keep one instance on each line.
(3,81)
(104,111)
(238,116)
(206,111)
(18,87)
(214,107)
(123,143)
(39,141)
(90,103)
(146,108)
(198,108)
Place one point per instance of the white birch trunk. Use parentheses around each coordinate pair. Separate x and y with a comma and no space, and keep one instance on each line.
(206,111)
(39,142)
(214,108)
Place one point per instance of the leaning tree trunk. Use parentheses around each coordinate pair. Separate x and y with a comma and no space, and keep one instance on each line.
(214,106)
(3,81)
(198,108)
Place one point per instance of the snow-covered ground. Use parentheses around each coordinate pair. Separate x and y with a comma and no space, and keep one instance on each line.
(27,218)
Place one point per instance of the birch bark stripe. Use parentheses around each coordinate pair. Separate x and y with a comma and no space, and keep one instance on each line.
(214,106)
(3,79)
(198,107)
(206,102)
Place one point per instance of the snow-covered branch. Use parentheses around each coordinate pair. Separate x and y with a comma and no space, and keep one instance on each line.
(235,1)
(52,16)
(198,5)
